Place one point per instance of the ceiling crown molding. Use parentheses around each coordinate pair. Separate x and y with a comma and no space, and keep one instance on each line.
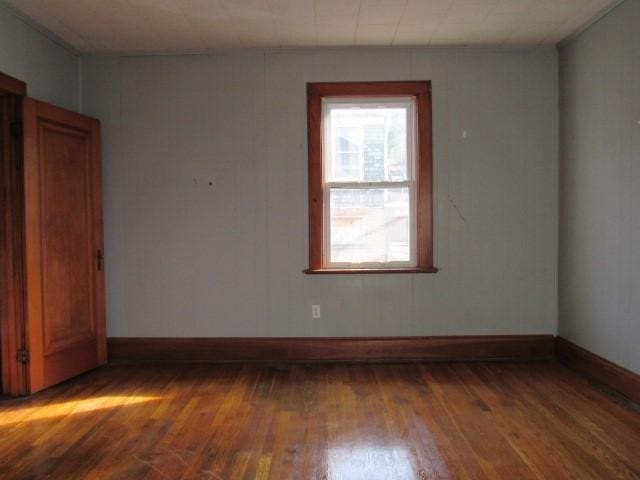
(39,28)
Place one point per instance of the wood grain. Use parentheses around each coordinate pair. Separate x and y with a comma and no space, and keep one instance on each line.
(424,211)
(339,349)
(12,86)
(316,207)
(63,232)
(364,89)
(599,369)
(341,271)
(481,421)
(14,375)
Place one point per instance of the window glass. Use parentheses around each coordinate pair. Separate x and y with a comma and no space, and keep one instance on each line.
(370,225)
(347,148)
(368,144)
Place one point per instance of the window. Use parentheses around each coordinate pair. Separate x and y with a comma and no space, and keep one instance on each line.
(370,177)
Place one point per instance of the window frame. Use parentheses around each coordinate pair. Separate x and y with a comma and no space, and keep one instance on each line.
(423,175)
(329,184)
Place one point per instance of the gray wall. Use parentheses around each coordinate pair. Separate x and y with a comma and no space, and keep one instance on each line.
(50,70)
(600,188)
(185,258)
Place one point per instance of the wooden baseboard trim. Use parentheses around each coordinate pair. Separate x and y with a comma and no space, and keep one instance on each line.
(599,369)
(328,349)
(376,349)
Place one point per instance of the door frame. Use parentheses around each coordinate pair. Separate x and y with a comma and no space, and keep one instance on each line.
(14,371)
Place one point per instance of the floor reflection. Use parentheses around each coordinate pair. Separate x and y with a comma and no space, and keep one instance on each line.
(371,462)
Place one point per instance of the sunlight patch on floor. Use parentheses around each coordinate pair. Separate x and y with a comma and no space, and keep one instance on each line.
(71,407)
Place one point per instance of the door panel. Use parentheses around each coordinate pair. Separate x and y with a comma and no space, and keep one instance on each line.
(67,237)
(63,220)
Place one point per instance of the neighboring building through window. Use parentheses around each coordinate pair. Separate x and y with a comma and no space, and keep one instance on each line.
(370,177)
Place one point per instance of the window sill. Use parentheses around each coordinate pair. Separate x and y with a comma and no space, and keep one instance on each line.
(340,271)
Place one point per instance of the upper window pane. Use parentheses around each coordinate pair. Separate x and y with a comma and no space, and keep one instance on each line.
(347,152)
(367,142)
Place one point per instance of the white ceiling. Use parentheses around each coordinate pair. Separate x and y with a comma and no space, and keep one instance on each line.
(159,25)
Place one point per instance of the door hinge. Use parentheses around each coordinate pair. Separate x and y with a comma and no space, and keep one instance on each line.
(23,355)
(17,129)
(99,259)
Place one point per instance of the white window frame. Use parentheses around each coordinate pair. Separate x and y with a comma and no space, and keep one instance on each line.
(409,103)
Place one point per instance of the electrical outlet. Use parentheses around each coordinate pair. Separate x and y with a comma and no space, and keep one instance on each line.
(315,311)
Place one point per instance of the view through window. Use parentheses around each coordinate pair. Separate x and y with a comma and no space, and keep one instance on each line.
(369,181)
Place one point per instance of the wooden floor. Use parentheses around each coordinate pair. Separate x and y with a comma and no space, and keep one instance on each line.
(352,422)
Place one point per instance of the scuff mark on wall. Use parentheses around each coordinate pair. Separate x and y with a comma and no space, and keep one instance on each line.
(453,204)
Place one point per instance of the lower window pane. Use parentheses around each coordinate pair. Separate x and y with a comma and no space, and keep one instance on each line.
(370,225)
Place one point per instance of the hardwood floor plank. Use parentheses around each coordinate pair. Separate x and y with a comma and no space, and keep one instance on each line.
(590,428)
(513,422)
(475,421)
(593,459)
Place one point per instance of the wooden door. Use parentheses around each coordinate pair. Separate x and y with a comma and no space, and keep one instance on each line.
(65,314)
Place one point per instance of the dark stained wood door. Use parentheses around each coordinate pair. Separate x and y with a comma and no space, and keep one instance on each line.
(65,316)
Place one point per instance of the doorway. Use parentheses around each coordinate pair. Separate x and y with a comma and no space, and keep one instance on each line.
(12,365)
(3,307)
(52,308)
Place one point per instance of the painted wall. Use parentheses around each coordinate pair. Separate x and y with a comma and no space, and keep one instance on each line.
(599,287)
(205,185)
(50,70)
